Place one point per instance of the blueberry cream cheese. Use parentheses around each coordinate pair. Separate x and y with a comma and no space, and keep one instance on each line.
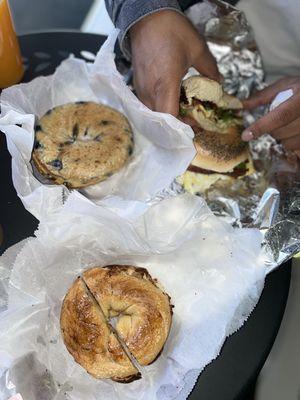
(80,144)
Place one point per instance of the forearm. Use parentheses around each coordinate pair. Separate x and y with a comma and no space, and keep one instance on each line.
(125,13)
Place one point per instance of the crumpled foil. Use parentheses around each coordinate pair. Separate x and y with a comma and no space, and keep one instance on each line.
(269,199)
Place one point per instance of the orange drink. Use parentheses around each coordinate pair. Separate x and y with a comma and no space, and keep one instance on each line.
(11,68)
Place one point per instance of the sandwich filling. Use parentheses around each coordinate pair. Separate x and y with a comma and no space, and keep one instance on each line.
(197,180)
(222,117)
(216,119)
(212,116)
(238,171)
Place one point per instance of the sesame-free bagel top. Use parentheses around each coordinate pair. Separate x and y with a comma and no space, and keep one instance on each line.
(142,309)
(89,339)
(143,316)
(83,143)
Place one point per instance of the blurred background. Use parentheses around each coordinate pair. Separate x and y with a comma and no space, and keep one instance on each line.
(88,15)
(280,377)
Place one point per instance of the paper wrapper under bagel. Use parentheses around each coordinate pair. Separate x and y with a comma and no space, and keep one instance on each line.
(213,273)
(160,140)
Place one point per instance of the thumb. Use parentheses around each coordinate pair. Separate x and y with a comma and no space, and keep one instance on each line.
(206,64)
(167,93)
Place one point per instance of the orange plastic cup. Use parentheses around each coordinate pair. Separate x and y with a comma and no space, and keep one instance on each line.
(11,67)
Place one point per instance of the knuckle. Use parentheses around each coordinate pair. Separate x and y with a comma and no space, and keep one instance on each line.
(295,86)
(284,115)
(290,82)
(284,79)
(279,133)
(269,123)
(160,85)
(291,143)
(165,86)
(292,79)
(202,46)
(288,145)
(258,129)
(275,120)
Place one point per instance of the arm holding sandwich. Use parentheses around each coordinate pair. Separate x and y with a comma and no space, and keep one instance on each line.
(283,123)
(163,45)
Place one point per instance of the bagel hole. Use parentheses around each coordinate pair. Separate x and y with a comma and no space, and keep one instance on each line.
(113,321)
(121,319)
(116,316)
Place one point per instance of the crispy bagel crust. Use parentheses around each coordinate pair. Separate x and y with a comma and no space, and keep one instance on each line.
(143,309)
(219,152)
(89,339)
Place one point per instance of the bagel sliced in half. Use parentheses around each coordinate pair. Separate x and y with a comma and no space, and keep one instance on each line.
(217,122)
(142,310)
(90,340)
(142,314)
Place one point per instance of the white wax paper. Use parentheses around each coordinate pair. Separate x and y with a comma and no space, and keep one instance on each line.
(163,144)
(212,272)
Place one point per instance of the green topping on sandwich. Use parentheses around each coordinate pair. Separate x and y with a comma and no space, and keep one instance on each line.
(242,166)
(182,112)
(226,115)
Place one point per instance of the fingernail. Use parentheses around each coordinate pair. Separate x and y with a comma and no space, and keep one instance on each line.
(247,136)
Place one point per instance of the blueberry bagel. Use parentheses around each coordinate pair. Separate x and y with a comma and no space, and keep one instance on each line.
(80,144)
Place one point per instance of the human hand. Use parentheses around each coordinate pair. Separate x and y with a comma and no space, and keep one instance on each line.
(283,123)
(164,45)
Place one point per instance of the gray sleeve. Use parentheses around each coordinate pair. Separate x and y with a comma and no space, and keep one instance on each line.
(125,13)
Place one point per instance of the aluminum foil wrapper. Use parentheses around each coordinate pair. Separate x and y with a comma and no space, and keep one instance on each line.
(270,198)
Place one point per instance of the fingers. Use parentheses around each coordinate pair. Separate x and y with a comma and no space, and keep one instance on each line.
(206,64)
(188,120)
(283,115)
(166,95)
(142,95)
(266,95)
(146,102)
(290,130)
(167,88)
(292,143)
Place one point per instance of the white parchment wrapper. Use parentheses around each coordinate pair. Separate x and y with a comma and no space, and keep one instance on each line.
(163,144)
(212,272)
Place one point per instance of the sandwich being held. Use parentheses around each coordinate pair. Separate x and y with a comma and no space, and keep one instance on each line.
(217,122)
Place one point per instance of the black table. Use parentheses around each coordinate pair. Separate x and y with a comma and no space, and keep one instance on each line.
(230,376)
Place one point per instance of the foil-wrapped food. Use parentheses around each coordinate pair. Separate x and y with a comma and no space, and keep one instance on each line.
(268,199)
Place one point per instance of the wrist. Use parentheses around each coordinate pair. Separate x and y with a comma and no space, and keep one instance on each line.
(134,12)
(150,19)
